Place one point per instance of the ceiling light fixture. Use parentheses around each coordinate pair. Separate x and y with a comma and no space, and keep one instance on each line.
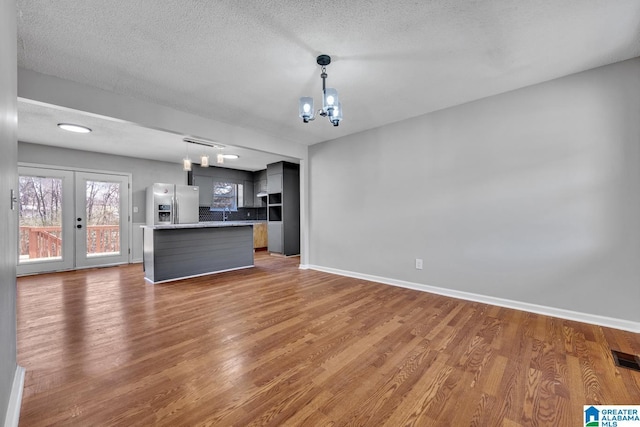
(222,157)
(205,143)
(204,158)
(186,162)
(74,128)
(331,106)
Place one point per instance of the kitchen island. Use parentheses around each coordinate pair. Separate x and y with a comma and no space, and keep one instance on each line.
(179,251)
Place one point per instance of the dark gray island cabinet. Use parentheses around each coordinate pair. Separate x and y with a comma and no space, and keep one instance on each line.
(179,251)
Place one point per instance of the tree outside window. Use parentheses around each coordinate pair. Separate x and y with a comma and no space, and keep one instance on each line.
(225,197)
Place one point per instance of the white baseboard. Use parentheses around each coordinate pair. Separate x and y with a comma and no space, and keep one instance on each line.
(594,319)
(15,400)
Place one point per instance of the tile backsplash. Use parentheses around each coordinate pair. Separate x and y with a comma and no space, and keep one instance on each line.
(242,214)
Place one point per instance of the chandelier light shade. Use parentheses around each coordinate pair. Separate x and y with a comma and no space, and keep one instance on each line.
(331,107)
(337,115)
(204,161)
(306,109)
(329,101)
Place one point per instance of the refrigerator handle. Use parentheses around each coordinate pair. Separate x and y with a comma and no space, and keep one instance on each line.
(175,210)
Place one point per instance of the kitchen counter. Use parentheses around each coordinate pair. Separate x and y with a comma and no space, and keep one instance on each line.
(205,224)
(179,251)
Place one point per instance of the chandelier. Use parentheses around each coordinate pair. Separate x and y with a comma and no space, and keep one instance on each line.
(331,106)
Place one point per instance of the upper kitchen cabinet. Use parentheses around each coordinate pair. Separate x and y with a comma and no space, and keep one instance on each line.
(247,200)
(206,189)
(260,188)
(205,178)
(274,177)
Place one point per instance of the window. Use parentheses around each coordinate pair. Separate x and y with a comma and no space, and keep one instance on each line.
(225,196)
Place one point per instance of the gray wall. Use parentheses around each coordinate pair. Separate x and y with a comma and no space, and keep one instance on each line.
(144,172)
(531,195)
(8,217)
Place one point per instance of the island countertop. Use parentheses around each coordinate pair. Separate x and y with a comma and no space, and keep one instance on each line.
(204,224)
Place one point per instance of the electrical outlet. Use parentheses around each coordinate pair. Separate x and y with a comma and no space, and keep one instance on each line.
(418,264)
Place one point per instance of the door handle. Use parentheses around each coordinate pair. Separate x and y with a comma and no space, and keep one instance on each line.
(14,199)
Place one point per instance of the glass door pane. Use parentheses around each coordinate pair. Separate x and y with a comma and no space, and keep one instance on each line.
(45,241)
(101,219)
(40,218)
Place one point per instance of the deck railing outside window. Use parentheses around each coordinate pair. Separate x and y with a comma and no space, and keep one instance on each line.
(46,242)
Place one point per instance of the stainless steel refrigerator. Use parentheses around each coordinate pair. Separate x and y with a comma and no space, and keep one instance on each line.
(172,204)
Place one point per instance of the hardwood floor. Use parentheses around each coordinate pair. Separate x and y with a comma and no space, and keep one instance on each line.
(275,345)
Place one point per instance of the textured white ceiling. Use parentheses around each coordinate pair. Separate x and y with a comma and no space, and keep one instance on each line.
(247,62)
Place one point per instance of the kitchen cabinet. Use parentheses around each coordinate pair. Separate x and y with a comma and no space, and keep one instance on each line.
(206,189)
(247,195)
(274,177)
(283,207)
(274,183)
(274,234)
(273,168)
(205,177)
(257,201)
(260,235)
(260,187)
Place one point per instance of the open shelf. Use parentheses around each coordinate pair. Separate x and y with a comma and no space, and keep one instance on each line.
(275,198)
(275,213)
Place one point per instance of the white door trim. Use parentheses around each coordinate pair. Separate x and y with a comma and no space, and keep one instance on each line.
(66,262)
(82,260)
(129,176)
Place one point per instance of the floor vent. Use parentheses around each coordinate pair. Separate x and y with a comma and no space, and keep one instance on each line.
(626,360)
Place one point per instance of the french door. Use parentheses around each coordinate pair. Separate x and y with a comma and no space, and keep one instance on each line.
(71,219)
(101,219)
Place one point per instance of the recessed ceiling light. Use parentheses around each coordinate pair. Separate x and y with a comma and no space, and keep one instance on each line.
(231,156)
(74,128)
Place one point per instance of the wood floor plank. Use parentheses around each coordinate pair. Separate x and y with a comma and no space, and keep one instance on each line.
(276,345)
